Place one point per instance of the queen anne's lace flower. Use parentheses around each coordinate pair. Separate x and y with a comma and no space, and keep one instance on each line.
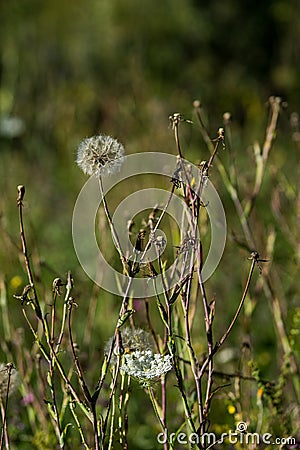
(146,366)
(132,340)
(100,155)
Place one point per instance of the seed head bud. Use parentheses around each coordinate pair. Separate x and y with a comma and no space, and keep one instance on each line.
(21,193)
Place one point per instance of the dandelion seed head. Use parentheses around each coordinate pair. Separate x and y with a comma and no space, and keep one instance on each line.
(9,378)
(100,155)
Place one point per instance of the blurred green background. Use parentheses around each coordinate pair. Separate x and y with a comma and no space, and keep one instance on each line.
(73,69)
(69,70)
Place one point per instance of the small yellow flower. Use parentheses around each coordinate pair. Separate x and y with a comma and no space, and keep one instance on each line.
(231,409)
(16,282)
(260,392)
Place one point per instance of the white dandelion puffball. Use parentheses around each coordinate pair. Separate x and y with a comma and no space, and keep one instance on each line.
(100,155)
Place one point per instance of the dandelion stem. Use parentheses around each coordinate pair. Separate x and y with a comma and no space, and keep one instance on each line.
(112,228)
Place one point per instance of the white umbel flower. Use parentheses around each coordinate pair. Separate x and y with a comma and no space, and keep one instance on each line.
(100,155)
(132,340)
(146,366)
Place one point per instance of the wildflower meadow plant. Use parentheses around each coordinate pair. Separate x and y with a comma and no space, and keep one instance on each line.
(131,340)
(146,366)
(169,341)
